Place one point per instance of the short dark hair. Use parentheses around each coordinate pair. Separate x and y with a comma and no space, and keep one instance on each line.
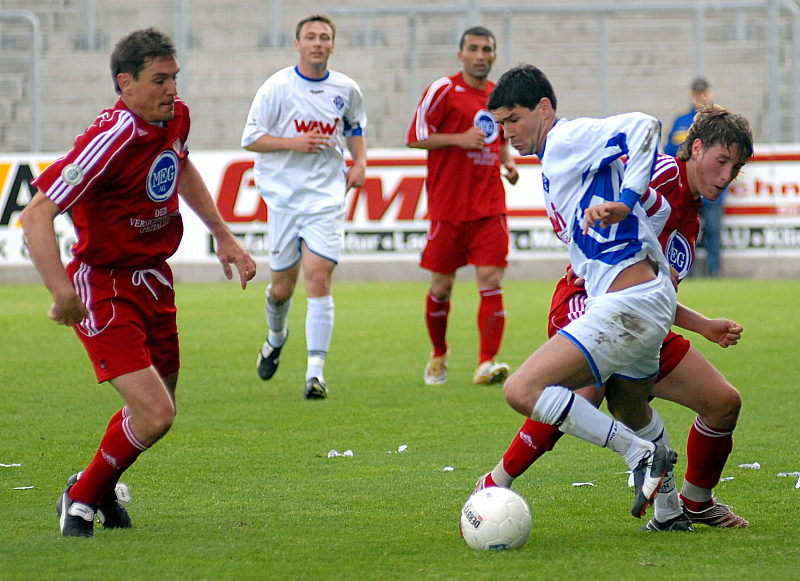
(700,85)
(132,53)
(476,31)
(315,18)
(715,125)
(523,85)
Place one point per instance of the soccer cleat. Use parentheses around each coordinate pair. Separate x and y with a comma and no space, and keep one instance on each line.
(490,372)
(648,474)
(717,515)
(485,481)
(268,359)
(75,518)
(316,388)
(436,369)
(111,513)
(679,523)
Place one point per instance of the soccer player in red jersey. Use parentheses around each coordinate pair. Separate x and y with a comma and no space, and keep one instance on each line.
(718,145)
(121,182)
(466,202)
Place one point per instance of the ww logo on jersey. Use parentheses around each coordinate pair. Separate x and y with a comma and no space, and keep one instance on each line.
(308,126)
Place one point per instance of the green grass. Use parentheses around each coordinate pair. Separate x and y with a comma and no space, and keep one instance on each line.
(242,488)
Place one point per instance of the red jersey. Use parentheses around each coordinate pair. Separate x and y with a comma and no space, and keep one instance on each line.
(679,236)
(120,181)
(462,184)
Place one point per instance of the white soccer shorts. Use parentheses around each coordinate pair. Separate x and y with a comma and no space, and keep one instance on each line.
(322,233)
(621,332)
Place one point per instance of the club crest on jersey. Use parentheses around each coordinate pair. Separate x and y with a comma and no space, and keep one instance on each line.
(488,125)
(339,102)
(679,254)
(163,176)
(72,174)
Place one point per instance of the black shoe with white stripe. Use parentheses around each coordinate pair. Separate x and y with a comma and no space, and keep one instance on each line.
(75,518)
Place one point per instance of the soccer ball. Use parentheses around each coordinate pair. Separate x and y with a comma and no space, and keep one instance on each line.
(495,519)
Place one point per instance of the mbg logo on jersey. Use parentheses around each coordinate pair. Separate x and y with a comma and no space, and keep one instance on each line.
(488,125)
(679,254)
(339,102)
(163,176)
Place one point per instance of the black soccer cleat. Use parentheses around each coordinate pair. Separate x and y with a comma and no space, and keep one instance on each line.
(75,518)
(111,513)
(268,359)
(316,388)
(648,474)
(680,523)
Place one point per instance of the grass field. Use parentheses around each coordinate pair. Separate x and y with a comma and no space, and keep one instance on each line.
(242,487)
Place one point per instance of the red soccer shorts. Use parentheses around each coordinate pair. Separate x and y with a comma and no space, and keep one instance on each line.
(452,245)
(131,323)
(568,304)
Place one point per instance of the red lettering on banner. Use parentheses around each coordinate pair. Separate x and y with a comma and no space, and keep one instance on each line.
(409,190)
(232,182)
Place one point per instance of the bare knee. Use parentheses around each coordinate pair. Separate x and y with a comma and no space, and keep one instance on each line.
(151,425)
(519,395)
(724,411)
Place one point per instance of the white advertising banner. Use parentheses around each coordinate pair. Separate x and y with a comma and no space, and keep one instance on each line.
(385,219)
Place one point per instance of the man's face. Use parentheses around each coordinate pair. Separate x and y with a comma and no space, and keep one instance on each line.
(523,128)
(477,55)
(315,44)
(715,168)
(152,95)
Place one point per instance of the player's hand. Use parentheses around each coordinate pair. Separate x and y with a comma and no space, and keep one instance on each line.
(723,332)
(673,275)
(312,142)
(605,215)
(512,174)
(231,251)
(573,278)
(355,176)
(472,138)
(68,310)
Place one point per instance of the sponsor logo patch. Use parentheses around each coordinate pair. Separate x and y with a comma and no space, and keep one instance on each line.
(162,179)
(488,125)
(72,174)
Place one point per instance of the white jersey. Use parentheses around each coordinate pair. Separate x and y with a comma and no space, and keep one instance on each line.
(582,166)
(287,105)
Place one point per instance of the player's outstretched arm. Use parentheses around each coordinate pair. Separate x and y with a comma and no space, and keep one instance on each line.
(40,238)
(723,332)
(229,250)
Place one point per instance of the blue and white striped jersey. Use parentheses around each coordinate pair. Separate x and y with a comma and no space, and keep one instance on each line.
(586,162)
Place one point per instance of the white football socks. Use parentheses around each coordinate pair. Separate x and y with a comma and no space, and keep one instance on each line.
(276,319)
(581,419)
(667,506)
(319,330)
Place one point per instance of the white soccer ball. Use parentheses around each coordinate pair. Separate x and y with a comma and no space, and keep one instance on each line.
(495,518)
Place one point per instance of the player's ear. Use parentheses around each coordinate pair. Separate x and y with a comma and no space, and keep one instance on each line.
(124,81)
(545,106)
(697,147)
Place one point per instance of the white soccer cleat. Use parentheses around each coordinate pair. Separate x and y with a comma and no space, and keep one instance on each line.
(436,370)
(490,372)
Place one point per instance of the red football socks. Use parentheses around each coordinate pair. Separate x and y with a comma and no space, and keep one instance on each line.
(119,448)
(436,313)
(533,440)
(491,322)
